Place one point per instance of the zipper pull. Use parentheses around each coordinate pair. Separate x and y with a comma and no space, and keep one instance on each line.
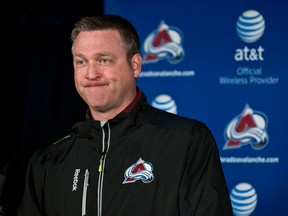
(100,168)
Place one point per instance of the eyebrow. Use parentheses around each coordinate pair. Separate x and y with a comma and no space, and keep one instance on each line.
(99,54)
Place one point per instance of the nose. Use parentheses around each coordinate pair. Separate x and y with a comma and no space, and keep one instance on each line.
(93,72)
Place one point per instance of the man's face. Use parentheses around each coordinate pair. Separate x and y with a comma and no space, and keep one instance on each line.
(102,75)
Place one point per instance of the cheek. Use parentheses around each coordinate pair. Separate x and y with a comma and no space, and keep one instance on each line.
(78,76)
(128,79)
(77,81)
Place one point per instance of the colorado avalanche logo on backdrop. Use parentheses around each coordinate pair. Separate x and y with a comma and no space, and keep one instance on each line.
(164,43)
(249,128)
(141,170)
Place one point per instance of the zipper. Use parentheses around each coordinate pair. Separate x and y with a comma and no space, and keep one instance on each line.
(105,147)
(84,195)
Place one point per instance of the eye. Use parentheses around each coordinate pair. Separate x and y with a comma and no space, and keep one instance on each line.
(104,61)
(79,62)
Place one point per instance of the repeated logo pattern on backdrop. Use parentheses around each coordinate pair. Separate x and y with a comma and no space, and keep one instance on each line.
(249,128)
(165,102)
(164,43)
(243,199)
(250,26)
(226,65)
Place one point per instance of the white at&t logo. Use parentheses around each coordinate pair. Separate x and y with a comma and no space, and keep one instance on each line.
(243,199)
(250,27)
(165,102)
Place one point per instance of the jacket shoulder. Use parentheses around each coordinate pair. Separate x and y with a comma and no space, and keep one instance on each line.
(55,144)
(172,121)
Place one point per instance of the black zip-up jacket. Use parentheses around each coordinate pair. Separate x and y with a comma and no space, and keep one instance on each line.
(146,162)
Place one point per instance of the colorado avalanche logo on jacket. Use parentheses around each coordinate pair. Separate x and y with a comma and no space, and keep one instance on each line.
(141,170)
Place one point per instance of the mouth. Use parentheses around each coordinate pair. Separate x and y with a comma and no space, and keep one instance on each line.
(97,84)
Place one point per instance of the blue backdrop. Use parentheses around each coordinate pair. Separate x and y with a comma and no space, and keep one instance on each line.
(225,63)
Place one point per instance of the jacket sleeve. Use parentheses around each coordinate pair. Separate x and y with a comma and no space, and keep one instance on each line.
(32,202)
(203,189)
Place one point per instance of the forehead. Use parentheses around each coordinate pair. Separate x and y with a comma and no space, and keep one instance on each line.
(90,43)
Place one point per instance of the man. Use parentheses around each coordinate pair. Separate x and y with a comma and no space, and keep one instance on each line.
(127,158)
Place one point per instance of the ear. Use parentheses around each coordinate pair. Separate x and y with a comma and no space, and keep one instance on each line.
(136,64)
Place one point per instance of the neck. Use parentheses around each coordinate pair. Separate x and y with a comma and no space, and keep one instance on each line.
(99,115)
